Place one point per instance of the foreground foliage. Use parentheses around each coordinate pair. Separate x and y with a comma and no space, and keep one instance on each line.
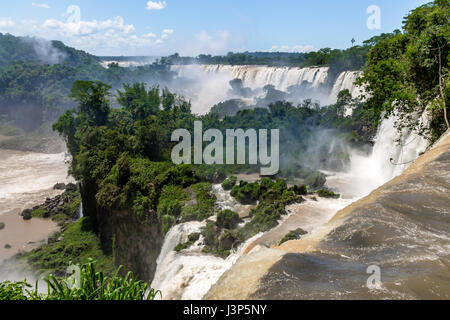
(86,283)
(77,242)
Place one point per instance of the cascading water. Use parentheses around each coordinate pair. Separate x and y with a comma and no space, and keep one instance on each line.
(210,83)
(189,274)
(346,81)
(80,212)
(392,153)
(259,76)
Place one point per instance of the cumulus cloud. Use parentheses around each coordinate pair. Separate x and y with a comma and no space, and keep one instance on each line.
(166,33)
(86,28)
(6,22)
(40,5)
(296,48)
(107,37)
(149,35)
(156,5)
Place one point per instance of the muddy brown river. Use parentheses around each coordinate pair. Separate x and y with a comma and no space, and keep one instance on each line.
(26,180)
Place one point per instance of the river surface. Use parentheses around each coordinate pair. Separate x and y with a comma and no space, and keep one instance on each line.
(26,180)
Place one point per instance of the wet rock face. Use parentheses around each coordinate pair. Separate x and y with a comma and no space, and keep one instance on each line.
(134,244)
(59,186)
(26,214)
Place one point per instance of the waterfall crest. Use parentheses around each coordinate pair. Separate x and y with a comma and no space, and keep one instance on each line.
(259,76)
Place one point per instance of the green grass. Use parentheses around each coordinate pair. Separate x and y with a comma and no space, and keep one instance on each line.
(78,243)
(38,213)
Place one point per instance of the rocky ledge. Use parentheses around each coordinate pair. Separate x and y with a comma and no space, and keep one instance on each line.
(62,209)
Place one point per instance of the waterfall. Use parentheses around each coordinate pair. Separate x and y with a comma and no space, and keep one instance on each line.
(80,212)
(259,76)
(189,274)
(392,153)
(211,82)
(346,81)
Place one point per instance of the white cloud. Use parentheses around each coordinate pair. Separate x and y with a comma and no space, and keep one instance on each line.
(149,35)
(156,5)
(166,33)
(41,5)
(6,22)
(296,48)
(85,28)
(104,37)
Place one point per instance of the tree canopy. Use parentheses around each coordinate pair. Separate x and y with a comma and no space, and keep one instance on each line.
(407,72)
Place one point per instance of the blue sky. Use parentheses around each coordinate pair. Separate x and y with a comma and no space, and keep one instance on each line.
(190,27)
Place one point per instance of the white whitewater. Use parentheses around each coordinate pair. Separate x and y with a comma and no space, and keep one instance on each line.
(346,81)
(210,83)
(392,153)
(189,274)
(259,76)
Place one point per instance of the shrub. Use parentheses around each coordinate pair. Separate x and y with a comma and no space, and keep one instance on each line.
(246,193)
(167,222)
(264,218)
(229,183)
(204,208)
(227,219)
(328,194)
(171,201)
(211,173)
(227,242)
(142,207)
(300,190)
(192,238)
(293,235)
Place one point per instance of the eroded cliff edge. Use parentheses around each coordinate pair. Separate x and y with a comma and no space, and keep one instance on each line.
(402,227)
